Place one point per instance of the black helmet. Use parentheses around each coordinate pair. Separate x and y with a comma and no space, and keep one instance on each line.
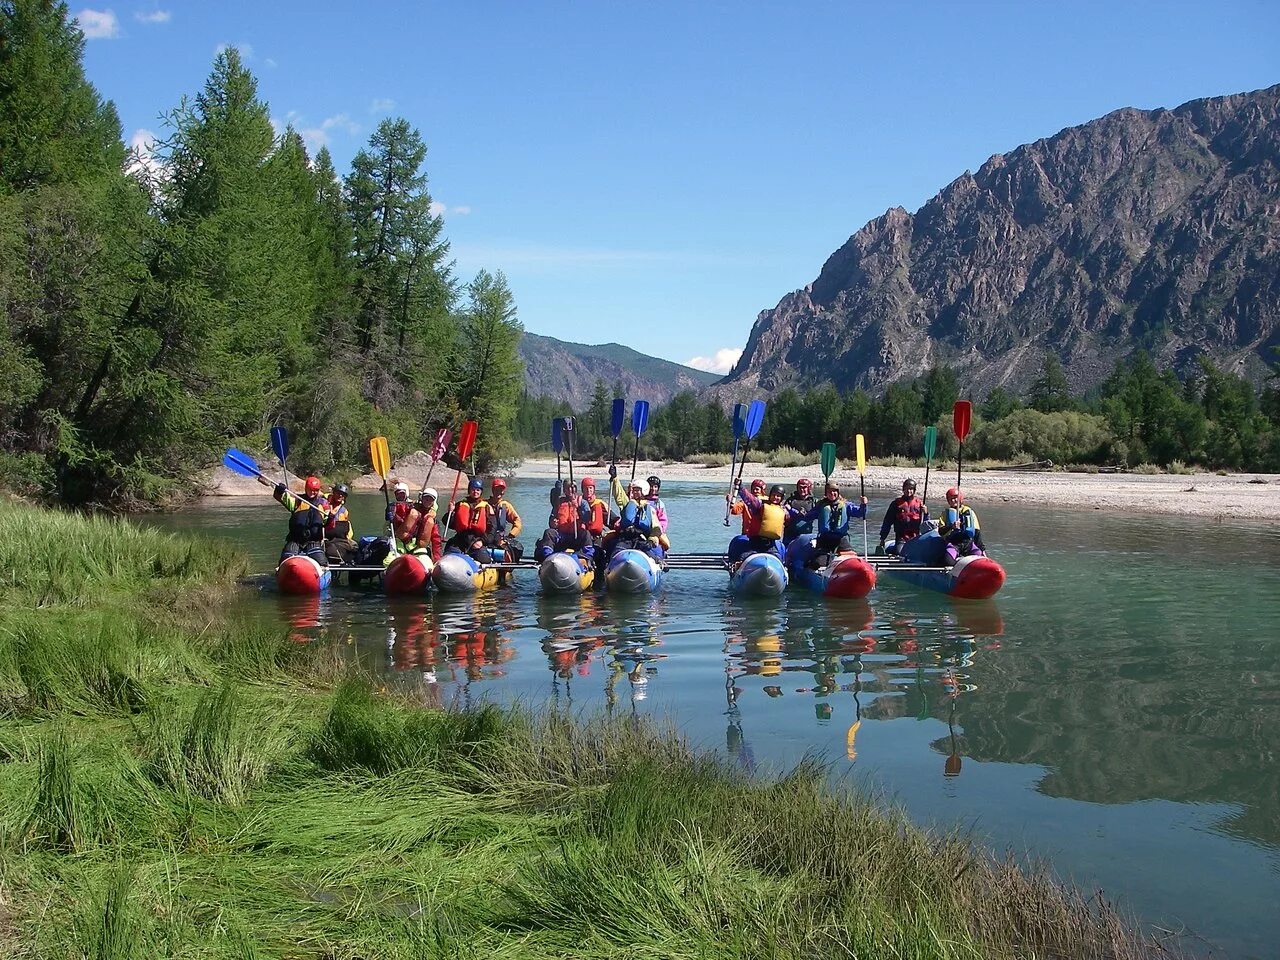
(778,490)
(341,488)
(908,483)
(653,482)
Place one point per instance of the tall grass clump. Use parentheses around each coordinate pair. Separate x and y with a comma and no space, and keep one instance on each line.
(112,926)
(791,457)
(220,752)
(56,558)
(377,735)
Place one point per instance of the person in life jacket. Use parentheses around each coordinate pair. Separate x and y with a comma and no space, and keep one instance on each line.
(767,519)
(565,529)
(307,517)
(472,523)
(905,516)
(637,526)
(960,529)
(798,505)
(340,542)
(750,521)
(831,516)
(400,504)
(506,521)
(593,513)
(425,537)
(659,508)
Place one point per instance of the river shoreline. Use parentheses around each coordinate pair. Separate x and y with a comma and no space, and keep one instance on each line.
(1252,497)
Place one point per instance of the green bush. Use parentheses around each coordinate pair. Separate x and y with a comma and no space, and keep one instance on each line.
(1064,437)
(791,457)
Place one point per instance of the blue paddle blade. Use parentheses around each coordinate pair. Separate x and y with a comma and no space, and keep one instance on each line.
(755,417)
(280,443)
(557,434)
(619,416)
(568,424)
(239,462)
(640,417)
(739,423)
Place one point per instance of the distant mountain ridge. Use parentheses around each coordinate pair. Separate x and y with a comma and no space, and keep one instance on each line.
(568,371)
(1155,229)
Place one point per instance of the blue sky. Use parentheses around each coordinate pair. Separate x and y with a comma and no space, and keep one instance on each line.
(657,173)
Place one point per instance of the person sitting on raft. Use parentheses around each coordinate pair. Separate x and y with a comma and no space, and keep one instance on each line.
(659,508)
(340,542)
(750,521)
(593,513)
(472,523)
(798,506)
(307,516)
(960,529)
(767,519)
(565,530)
(905,516)
(832,514)
(637,527)
(425,536)
(506,521)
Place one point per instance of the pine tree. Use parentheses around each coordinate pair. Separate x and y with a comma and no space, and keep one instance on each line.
(1050,392)
(490,372)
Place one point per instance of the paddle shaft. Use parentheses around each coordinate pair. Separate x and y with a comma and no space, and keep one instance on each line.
(568,442)
(959,459)
(733,461)
(862,492)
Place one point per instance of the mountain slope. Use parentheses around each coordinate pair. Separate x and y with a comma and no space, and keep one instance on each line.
(568,371)
(1157,229)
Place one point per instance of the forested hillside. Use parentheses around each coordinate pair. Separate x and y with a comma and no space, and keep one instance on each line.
(156,308)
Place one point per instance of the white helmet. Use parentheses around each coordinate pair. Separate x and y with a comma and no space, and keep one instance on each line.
(401,487)
(431,492)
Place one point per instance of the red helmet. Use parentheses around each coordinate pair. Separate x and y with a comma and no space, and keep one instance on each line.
(804,483)
(953,492)
(757,484)
(588,483)
(312,485)
(499,484)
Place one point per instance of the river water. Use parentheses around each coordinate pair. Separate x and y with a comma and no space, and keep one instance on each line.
(1114,711)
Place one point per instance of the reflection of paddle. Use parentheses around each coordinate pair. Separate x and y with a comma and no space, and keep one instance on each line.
(860,448)
(930,448)
(639,422)
(381,457)
(850,750)
(738,426)
(952,766)
(960,416)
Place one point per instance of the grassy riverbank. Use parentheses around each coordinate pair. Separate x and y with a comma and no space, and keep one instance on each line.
(176,785)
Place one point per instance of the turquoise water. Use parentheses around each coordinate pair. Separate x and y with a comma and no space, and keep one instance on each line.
(1115,710)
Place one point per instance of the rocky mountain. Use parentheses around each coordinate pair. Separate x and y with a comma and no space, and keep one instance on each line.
(1157,229)
(568,371)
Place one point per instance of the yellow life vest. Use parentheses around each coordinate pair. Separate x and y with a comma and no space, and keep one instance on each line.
(772,519)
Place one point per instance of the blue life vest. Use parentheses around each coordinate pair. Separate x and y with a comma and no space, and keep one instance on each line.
(834,520)
(637,517)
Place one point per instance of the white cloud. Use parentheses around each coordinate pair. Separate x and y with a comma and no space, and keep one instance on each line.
(155,16)
(143,161)
(340,121)
(382,105)
(316,135)
(98,24)
(246,50)
(270,63)
(721,361)
(438,209)
(461,211)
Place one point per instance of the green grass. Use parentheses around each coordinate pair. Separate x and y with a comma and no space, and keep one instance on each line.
(225,793)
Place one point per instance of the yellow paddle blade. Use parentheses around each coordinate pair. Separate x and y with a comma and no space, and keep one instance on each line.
(381,456)
(861,445)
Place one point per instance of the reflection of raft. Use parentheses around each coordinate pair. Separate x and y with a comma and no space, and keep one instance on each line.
(847,575)
(407,574)
(632,571)
(459,573)
(972,578)
(566,573)
(301,574)
(760,575)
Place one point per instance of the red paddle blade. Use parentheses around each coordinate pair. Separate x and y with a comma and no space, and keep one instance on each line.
(466,439)
(961,414)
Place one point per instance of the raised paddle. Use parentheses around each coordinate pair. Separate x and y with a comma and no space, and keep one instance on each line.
(280,444)
(639,422)
(739,425)
(616,420)
(237,461)
(568,443)
(443,436)
(557,441)
(860,450)
(466,442)
(930,448)
(961,414)
(380,456)
(828,460)
(750,426)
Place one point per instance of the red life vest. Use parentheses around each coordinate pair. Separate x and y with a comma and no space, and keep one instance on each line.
(565,518)
(595,526)
(907,514)
(473,517)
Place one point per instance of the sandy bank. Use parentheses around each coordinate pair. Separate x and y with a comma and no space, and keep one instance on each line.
(1242,496)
